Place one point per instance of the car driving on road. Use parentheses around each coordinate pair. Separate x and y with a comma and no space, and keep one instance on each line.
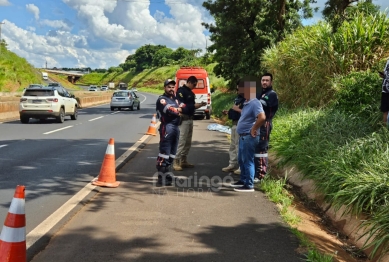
(47,102)
(92,88)
(104,88)
(124,99)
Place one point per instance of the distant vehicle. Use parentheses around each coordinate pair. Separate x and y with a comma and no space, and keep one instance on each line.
(47,102)
(92,88)
(35,86)
(202,91)
(122,86)
(111,85)
(134,89)
(124,99)
(45,76)
(104,88)
(54,84)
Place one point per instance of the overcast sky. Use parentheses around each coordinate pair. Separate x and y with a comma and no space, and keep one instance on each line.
(102,33)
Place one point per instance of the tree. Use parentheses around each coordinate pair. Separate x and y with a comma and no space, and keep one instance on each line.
(3,44)
(337,11)
(162,57)
(115,69)
(180,54)
(144,56)
(244,28)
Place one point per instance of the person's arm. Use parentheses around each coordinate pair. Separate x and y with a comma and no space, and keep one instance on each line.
(237,109)
(198,105)
(261,119)
(186,109)
(171,110)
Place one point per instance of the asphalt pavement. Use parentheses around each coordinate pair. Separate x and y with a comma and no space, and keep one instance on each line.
(199,218)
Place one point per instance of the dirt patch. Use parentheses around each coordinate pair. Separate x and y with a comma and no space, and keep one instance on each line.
(320,230)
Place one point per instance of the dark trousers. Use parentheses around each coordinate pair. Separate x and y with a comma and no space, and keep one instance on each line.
(261,151)
(169,135)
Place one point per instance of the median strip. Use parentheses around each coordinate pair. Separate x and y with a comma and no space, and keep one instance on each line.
(57,130)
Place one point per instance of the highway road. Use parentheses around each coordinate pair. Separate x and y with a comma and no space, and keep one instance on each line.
(54,161)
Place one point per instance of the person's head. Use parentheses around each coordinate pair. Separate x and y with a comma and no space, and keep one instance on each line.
(191,82)
(266,80)
(169,86)
(249,87)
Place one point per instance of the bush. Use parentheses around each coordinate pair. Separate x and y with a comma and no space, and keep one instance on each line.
(358,93)
(304,63)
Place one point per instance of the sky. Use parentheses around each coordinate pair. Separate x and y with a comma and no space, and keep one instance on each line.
(102,33)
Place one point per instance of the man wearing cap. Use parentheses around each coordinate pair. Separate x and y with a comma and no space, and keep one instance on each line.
(186,97)
(168,111)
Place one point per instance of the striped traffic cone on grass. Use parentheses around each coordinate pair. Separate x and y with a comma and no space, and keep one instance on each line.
(13,234)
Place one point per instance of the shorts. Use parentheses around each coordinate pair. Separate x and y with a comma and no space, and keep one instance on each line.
(384,102)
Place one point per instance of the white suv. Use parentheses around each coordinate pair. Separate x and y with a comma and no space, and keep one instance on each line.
(47,102)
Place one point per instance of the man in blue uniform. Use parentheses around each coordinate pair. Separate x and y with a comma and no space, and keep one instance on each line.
(269,101)
(169,114)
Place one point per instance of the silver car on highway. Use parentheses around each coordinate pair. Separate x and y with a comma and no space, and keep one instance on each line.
(124,99)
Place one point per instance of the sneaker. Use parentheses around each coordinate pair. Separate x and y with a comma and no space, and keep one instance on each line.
(244,189)
(237,172)
(257,180)
(228,168)
(237,184)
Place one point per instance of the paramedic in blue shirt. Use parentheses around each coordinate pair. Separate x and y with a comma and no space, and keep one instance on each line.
(251,119)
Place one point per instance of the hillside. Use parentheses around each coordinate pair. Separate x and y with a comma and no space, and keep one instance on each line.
(148,78)
(16,73)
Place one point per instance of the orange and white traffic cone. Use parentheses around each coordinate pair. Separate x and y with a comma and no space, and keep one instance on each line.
(153,127)
(13,234)
(107,176)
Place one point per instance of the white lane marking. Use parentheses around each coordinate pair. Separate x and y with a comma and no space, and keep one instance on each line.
(95,118)
(66,127)
(3,146)
(143,99)
(44,227)
(115,112)
(55,217)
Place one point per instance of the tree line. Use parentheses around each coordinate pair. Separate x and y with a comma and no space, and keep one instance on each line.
(244,29)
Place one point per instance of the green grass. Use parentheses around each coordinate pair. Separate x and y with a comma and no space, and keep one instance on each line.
(16,73)
(276,192)
(314,255)
(346,156)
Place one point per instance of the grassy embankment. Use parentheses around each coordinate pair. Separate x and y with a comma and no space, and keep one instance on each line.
(16,73)
(329,125)
(149,80)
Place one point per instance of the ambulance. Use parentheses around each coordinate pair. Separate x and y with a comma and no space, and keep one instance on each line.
(202,90)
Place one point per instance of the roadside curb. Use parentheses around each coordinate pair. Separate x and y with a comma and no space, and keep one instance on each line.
(39,237)
(345,223)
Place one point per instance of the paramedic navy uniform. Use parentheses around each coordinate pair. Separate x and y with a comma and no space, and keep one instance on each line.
(169,132)
(269,101)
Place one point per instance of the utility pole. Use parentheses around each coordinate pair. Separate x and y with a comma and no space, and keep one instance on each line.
(1,44)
